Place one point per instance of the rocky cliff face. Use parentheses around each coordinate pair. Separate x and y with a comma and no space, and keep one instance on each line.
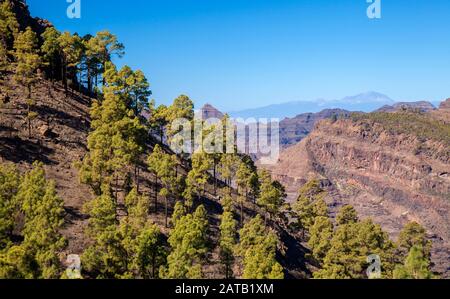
(293,130)
(393,167)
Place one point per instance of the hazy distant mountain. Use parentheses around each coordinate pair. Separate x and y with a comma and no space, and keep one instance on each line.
(364,102)
(208,111)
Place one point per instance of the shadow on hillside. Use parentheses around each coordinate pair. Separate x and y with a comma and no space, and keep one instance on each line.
(74,214)
(9,130)
(294,258)
(61,117)
(15,149)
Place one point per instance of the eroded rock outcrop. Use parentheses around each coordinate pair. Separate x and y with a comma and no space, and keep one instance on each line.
(393,167)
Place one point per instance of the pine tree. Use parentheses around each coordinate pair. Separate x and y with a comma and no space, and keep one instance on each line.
(163,166)
(373,240)
(188,241)
(115,142)
(257,247)
(417,265)
(28,63)
(320,208)
(4,62)
(320,233)
(141,240)
(9,184)
(72,49)
(17,263)
(91,63)
(158,121)
(347,215)
(197,177)
(150,252)
(309,204)
(178,212)
(103,47)
(51,49)
(106,257)
(181,108)
(228,167)
(42,210)
(139,92)
(350,246)
(342,260)
(9,28)
(271,195)
(227,241)
(259,260)
(133,87)
(137,208)
(226,200)
(243,180)
(129,248)
(413,234)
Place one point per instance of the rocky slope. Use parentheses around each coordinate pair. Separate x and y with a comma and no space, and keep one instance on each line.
(293,130)
(393,167)
(58,139)
(24,18)
(422,106)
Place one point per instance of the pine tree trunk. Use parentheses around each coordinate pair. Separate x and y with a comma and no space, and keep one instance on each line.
(89,81)
(153,265)
(156,194)
(215,178)
(166,212)
(65,80)
(117,188)
(136,177)
(29,122)
(29,111)
(242,213)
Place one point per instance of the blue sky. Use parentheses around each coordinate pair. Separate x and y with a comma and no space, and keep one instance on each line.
(251,53)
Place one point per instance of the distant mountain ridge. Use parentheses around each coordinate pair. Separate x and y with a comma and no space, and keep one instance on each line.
(392,167)
(365,102)
(422,106)
(294,129)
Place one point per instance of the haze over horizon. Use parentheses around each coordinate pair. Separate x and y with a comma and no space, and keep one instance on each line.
(238,55)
